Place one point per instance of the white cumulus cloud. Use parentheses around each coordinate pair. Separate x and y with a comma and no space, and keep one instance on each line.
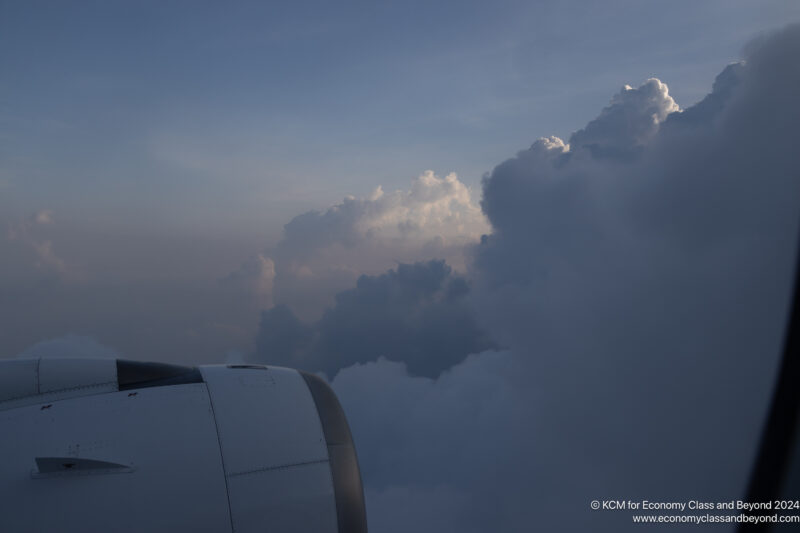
(324,252)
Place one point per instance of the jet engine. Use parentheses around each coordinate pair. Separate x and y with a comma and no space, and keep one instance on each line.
(114,445)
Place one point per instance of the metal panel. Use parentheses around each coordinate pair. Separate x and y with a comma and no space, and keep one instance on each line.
(274,450)
(166,435)
(36,381)
(266,418)
(57,374)
(298,499)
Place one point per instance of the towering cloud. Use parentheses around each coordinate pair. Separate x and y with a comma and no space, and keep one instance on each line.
(416,313)
(630,121)
(324,252)
(639,274)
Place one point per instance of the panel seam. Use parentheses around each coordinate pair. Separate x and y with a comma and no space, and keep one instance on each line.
(277,467)
(221,455)
(56,391)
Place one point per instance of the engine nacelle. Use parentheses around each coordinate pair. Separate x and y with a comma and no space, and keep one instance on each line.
(113,445)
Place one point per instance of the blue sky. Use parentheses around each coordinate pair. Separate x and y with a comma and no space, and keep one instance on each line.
(163,117)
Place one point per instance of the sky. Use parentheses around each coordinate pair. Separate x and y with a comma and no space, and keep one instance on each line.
(229,120)
(538,249)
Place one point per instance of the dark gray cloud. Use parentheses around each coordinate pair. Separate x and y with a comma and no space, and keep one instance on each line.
(417,313)
(640,275)
(437,455)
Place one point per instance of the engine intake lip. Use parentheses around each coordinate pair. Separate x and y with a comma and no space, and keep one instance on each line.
(347,487)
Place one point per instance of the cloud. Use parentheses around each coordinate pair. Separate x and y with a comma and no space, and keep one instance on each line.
(253,280)
(45,216)
(639,275)
(650,278)
(150,299)
(427,448)
(44,258)
(324,252)
(417,313)
(629,122)
(75,346)
(188,322)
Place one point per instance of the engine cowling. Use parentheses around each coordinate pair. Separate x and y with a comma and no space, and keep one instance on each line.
(115,445)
